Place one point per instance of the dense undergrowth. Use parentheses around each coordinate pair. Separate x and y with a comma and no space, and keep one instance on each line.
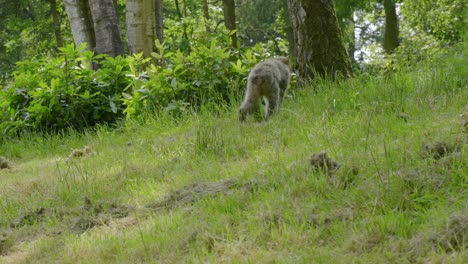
(202,187)
(77,90)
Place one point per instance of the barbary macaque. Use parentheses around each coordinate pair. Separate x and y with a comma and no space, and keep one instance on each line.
(268,79)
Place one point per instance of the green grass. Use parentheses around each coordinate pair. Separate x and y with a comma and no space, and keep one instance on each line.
(125,203)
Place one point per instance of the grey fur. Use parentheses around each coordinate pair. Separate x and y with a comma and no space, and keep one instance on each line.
(268,79)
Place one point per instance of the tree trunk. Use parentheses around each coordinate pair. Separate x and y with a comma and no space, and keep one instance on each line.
(159,16)
(56,22)
(206,14)
(106,28)
(230,20)
(319,41)
(140,26)
(136,30)
(352,42)
(81,23)
(391,27)
(150,26)
(290,35)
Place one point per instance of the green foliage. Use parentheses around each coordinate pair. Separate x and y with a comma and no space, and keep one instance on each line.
(54,93)
(26,31)
(262,20)
(442,19)
(155,192)
(208,75)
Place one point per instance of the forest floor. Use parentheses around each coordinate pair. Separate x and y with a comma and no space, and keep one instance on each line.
(366,170)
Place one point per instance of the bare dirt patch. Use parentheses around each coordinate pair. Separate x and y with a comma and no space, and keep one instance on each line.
(79,219)
(440,149)
(32,223)
(323,163)
(197,191)
(82,152)
(4,163)
(342,176)
(32,217)
(5,243)
(454,237)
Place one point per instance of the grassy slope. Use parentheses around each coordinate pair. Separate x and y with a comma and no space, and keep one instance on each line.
(398,207)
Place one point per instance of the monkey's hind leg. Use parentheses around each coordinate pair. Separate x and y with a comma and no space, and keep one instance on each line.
(272,101)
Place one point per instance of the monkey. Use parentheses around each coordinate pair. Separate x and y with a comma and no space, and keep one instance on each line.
(268,79)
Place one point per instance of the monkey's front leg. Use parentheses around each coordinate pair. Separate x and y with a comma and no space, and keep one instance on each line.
(249,106)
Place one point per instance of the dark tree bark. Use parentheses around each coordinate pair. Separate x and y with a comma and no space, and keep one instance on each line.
(158,12)
(56,22)
(319,40)
(106,28)
(230,19)
(391,27)
(291,40)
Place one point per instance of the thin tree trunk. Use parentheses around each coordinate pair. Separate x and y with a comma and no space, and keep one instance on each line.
(352,42)
(318,38)
(81,23)
(150,26)
(106,28)
(230,19)
(159,15)
(206,14)
(56,22)
(391,27)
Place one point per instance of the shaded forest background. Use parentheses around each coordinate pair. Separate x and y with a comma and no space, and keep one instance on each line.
(197,53)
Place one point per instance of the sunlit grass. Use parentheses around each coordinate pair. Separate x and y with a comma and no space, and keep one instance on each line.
(386,203)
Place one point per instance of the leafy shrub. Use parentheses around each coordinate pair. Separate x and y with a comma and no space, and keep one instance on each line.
(207,75)
(51,94)
(56,93)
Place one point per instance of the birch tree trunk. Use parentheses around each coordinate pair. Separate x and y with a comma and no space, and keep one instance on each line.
(81,23)
(319,41)
(106,28)
(140,26)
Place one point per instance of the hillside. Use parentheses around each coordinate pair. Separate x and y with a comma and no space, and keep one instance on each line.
(206,188)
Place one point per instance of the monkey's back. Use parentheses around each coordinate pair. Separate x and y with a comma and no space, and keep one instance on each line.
(267,72)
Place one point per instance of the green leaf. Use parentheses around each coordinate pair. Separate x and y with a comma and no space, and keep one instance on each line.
(113,106)
(174,83)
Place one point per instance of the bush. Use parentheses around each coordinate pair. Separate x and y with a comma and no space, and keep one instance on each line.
(51,94)
(207,75)
(56,93)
